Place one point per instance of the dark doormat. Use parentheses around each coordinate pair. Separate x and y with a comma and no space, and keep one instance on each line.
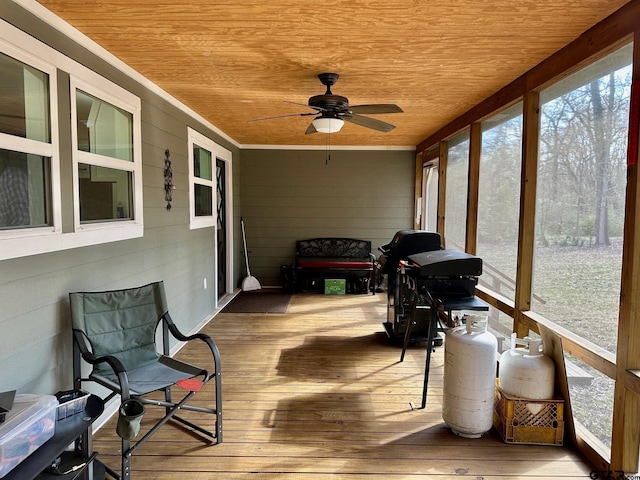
(259,302)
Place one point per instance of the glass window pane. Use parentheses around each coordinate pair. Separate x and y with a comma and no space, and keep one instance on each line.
(25,190)
(455,224)
(499,200)
(581,199)
(105,194)
(103,129)
(24,100)
(202,163)
(203,200)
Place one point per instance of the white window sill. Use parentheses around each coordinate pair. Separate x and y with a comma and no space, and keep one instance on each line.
(46,240)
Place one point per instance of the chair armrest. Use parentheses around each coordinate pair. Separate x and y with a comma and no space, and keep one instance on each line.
(93,359)
(89,357)
(178,335)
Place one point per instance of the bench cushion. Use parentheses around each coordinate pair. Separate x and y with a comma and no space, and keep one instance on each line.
(335,264)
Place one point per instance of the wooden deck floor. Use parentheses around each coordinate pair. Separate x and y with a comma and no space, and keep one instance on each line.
(318,393)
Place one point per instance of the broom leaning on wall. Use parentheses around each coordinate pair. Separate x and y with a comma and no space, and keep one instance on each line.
(249,282)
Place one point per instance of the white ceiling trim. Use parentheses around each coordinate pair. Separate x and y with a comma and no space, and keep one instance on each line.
(324,147)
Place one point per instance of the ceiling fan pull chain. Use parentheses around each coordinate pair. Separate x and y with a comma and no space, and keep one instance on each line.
(328,145)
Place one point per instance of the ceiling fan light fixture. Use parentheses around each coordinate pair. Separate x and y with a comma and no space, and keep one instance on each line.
(328,124)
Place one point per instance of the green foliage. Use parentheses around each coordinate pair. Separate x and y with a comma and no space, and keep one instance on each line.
(572,241)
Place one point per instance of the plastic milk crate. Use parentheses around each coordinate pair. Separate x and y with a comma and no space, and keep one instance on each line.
(523,420)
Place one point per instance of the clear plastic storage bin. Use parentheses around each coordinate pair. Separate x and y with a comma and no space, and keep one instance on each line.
(29,424)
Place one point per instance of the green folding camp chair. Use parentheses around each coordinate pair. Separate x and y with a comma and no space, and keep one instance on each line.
(115,331)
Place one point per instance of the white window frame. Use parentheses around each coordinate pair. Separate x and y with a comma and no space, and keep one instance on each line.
(106,91)
(32,241)
(196,138)
(13,240)
(226,156)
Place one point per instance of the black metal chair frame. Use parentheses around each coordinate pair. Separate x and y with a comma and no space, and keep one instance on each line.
(83,351)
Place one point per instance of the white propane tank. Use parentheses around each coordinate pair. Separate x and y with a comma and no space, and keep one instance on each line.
(469,378)
(526,372)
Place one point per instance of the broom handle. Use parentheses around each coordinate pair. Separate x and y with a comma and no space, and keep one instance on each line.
(244,243)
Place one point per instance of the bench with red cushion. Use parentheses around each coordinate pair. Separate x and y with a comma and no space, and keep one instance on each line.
(318,259)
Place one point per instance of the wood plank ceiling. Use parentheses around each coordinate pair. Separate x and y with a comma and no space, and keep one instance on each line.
(233,61)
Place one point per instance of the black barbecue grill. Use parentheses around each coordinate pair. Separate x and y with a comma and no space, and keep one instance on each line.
(423,281)
(400,287)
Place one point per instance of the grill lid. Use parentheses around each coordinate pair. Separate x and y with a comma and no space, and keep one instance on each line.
(447,263)
(408,242)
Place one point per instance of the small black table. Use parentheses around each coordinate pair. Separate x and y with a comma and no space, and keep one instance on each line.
(68,430)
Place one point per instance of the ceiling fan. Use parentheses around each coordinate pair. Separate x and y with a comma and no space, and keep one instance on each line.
(333,110)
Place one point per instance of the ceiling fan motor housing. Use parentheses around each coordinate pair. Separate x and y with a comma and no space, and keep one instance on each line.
(329,102)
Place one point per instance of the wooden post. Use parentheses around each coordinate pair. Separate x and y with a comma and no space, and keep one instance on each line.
(526,236)
(475,147)
(442,187)
(625,437)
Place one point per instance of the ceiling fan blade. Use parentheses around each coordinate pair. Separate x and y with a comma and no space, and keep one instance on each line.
(368,122)
(318,109)
(283,116)
(376,108)
(310,129)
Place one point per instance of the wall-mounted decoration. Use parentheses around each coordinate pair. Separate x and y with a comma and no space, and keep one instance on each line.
(168,179)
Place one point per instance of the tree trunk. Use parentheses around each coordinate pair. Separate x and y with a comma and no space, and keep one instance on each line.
(602,160)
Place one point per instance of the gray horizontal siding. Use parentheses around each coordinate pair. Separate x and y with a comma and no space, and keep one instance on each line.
(292,195)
